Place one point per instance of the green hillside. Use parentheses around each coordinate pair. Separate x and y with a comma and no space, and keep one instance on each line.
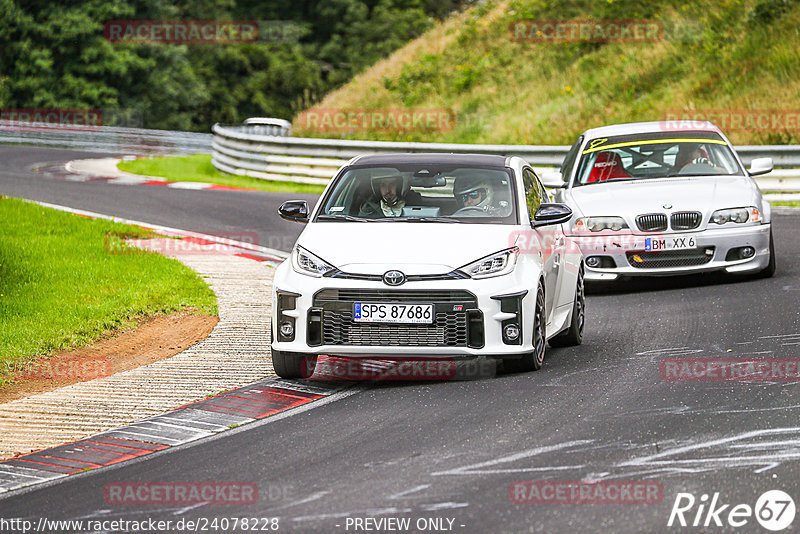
(738,60)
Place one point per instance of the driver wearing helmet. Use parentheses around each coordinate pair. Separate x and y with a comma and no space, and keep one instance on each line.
(473,193)
(392,192)
(693,154)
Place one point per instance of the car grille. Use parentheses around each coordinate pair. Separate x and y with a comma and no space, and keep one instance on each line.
(685,220)
(670,258)
(652,222)
(449,329)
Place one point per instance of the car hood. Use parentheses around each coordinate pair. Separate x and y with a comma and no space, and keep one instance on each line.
(414,248)
(646,196)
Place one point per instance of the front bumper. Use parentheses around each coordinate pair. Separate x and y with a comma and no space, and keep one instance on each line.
(718,241)
(310,326)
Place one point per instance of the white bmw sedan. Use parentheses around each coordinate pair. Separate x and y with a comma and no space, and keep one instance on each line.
(428,256)
(649,199)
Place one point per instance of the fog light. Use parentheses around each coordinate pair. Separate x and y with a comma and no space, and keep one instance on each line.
(593,261)
(740,253)
(287,329)
(511,332)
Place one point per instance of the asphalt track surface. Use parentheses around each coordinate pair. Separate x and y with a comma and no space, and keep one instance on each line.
(449,450)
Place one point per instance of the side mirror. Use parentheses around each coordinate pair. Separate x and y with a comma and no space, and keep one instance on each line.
(760,166)
(294,210)
(549,213)
(553,179)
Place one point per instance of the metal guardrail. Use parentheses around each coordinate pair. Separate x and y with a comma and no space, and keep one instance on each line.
(263,149)
(105,138)
(237,150)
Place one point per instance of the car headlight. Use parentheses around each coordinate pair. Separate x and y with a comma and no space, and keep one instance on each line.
(497,264)
(597,224)
(305,262)
(737,215)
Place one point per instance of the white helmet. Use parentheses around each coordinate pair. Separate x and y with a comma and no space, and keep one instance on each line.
(390,175)
(473,183)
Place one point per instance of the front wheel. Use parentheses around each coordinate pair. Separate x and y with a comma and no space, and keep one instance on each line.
(769,270)
(574,334)
(292,364)
(532,361)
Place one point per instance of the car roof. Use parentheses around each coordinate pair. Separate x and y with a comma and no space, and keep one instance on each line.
(652,127)
(431,159)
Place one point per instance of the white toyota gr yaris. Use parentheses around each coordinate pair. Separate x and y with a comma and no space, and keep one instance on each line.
(428,256)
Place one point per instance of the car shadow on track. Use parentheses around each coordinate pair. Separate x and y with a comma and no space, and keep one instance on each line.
(667,283)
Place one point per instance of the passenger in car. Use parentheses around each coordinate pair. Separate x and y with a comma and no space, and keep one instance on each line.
(474,192)
(392,192)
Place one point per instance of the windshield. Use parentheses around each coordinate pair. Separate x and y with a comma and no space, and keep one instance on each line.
(422,193)
(635,157)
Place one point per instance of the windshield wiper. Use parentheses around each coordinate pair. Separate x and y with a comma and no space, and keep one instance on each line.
(695,174)
(339,217)
(620,179)
(421,219)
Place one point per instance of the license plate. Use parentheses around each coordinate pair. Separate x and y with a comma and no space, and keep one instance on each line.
(369,312)
(653,244)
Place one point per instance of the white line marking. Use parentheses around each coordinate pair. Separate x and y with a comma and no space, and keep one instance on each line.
(192,429)
(476,468)
(409,491)
(313,497)
(142,434)
(682,350)
(358,513)
(168,230)
(652,459)
(182,511)
(767,467)
(444,506)
(767,444)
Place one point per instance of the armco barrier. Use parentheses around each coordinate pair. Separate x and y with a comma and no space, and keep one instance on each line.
(248,150)
(105,138)
(237,150)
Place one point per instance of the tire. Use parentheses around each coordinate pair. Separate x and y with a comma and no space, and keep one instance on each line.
(532,361)
(573,335)
(769,270)
(292,364)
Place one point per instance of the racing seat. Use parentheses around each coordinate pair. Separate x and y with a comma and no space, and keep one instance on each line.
(608,165)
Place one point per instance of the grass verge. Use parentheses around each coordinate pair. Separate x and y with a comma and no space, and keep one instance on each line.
(789,203)
(725,61)
(198,168)
(61,288)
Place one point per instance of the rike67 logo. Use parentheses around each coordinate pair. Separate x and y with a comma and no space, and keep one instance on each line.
(774,510)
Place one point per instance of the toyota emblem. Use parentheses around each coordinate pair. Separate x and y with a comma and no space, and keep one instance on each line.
(393,278)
